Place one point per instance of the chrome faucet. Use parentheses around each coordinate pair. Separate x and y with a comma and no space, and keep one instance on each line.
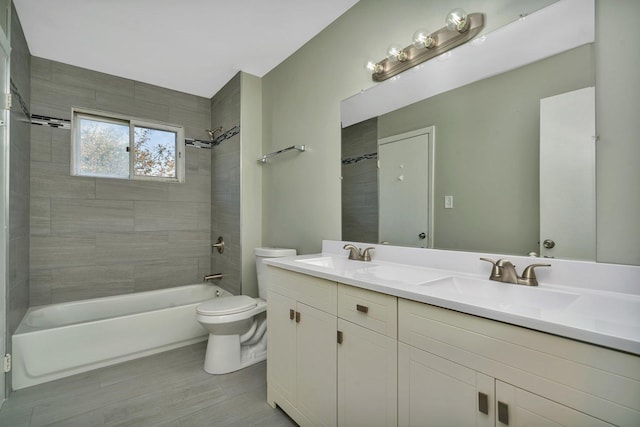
(214,276)
(357,254)
(504,271)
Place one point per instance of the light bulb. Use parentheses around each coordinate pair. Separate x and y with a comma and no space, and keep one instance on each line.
(372,67)
(457,20)
(422,38)
(396,53)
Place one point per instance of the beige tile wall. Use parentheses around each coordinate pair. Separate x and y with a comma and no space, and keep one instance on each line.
(93,237)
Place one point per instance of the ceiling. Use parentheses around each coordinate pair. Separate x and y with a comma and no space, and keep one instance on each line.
(193,46)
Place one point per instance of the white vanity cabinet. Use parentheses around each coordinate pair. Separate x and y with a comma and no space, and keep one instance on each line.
(367,358)
(301,348)
(348,356)
(457,369)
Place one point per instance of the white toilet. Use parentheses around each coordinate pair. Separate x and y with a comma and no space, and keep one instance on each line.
(237,324)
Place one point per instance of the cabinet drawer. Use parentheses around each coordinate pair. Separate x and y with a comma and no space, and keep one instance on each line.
(373,310)
(319,293)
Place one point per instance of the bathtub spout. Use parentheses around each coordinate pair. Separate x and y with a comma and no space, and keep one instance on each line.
(214,276)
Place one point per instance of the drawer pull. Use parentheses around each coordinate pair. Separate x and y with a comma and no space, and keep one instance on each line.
(297,317)
(292,314)
(483,403)
(503,413)
(339,337)
(362,308)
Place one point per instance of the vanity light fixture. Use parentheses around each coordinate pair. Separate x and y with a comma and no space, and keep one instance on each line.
(395,53)
(459,28)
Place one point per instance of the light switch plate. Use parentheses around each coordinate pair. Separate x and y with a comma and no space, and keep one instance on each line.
(448,202)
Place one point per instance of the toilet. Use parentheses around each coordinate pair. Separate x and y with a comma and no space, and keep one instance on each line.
(237,324)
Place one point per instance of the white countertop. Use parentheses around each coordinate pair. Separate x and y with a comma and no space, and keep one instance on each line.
(609,319)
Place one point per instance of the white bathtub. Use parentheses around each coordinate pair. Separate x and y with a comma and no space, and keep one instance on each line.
(59,340)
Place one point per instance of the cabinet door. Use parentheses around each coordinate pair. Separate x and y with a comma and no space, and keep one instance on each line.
(367,377)
(433,391)
(316,365)
(281,348)
(517,407)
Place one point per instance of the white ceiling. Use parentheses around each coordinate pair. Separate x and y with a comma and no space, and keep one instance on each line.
(193,46)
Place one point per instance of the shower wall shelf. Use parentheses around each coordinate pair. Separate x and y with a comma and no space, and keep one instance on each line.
(264,158)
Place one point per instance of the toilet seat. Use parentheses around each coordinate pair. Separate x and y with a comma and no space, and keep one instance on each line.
(226,305)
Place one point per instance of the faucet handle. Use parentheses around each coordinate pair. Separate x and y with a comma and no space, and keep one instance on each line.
(366,256)
(529,275)
(495,270)
(354,252)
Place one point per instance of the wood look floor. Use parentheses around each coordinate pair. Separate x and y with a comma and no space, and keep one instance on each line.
(167,389)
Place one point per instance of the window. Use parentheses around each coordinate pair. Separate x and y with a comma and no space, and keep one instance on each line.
(113,146)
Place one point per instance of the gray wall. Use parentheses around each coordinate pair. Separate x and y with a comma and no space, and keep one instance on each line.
(93,237)
(225,187)
(487,152)
(5,13)
(360,183)
(618,150)
(20,135)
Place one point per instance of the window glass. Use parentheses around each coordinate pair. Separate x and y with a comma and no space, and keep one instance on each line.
(103,148)
(110,145)
(154,152)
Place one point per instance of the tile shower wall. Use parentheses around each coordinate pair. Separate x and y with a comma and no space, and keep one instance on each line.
(360,183)
(225,187)
(93,237)
(19,128)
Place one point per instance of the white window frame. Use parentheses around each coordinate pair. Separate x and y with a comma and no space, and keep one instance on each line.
(132,122)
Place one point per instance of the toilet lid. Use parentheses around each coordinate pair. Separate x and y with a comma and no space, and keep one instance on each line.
(226,305)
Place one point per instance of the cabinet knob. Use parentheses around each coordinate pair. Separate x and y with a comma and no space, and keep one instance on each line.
(362,308)
(340,337)
(297,317)
(292,313)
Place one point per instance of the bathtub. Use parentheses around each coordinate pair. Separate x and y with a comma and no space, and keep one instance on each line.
(60,340)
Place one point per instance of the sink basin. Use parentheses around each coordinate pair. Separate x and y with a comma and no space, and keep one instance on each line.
(502,296)
(397,275)
(336,263)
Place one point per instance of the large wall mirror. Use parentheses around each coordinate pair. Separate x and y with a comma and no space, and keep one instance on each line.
(484,158)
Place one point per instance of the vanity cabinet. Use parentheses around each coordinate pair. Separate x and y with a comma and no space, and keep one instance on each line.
(345,355)
(301,348)
(367,358)
(458,369)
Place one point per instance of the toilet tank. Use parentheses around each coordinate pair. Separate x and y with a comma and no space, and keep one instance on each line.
(261,267)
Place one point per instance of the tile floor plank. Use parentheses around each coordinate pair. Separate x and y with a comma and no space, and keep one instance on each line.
(166,389)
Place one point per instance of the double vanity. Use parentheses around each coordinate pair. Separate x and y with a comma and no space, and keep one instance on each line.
(422,337)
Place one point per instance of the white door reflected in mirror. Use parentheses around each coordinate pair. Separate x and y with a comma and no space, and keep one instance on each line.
(568,175)
(405,194)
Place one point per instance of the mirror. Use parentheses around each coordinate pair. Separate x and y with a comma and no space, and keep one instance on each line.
(487,158)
